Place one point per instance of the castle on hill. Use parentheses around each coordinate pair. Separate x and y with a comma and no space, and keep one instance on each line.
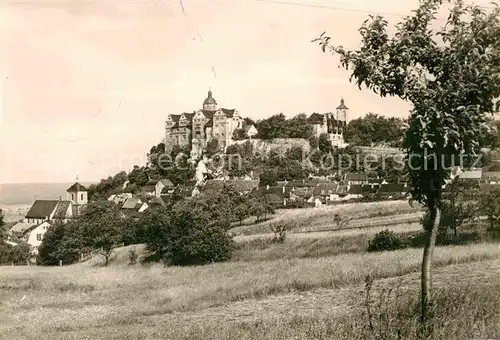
(198,128)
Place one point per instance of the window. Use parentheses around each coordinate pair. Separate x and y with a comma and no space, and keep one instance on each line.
(39,237)
(81,197)
(72,197)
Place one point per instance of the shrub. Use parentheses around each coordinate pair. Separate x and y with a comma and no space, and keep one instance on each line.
(279,229)
(17,255)
(385,240)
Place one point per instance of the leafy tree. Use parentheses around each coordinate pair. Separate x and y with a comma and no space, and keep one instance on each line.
(60,243)
(258,209)
(212,147)
(241,211)
(138,176)
(239,134)
(2,223)
(375,129)
(298,127)
(451,77)
(324,144)
(267,177)
(313,142)
(272,127)
(157,230)
(188,234)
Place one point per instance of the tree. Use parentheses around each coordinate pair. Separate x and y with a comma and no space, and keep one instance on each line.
(213,147)
(2,223)
(239,134)
(241,212)
(188,234)
(60,243)
(138,176)
(267,177)
(272,127)
(451,77)
(324,144)
(258,209)
(489,201)
(375,129)
(99,227)
(313,142)
(298,127)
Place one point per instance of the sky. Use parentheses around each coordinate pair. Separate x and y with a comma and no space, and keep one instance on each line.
(87,85)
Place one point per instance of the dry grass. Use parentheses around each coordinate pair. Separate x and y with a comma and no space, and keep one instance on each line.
(78,298)
(311,219)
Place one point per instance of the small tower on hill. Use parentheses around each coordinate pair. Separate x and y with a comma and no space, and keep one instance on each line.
(77,194)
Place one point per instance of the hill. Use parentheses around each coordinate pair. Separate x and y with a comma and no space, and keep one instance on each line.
(25,193)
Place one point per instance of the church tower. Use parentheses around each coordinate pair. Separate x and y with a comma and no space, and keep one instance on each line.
(77,194)
(209,103)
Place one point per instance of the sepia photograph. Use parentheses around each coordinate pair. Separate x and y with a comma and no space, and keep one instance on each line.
(250,169)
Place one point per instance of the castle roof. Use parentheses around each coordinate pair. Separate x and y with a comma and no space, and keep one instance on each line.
(315,118)
(342,105)
(209,100)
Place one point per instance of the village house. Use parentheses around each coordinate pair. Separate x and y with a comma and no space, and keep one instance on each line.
(392,190)
(356,178)
(250,131)
(491,177)
(119,199)
(20,229)
(354,191)
(36,236)
(164,186)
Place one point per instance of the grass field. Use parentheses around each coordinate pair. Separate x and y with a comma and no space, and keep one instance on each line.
(312,286)
(317,219)
(249,300)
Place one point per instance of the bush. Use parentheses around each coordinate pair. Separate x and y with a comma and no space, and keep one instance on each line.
(385,240)
(17,255)
(279,229)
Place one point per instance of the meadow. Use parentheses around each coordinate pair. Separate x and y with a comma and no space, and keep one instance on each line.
(322,219)
(214,301)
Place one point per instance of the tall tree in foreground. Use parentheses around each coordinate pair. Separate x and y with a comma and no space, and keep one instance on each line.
(451,76)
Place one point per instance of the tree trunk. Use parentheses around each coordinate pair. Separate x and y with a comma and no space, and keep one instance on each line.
(426,278)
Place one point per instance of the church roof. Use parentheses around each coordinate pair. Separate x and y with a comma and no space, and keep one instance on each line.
(61,210)
(76,187)
(42,209)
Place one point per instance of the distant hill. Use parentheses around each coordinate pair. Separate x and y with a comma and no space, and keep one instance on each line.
(25,193)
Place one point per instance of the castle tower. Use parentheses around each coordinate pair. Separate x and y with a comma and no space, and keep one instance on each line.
(341,118)
(77,194)
(209,103)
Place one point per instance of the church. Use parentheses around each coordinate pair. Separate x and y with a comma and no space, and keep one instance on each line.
(200,127)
